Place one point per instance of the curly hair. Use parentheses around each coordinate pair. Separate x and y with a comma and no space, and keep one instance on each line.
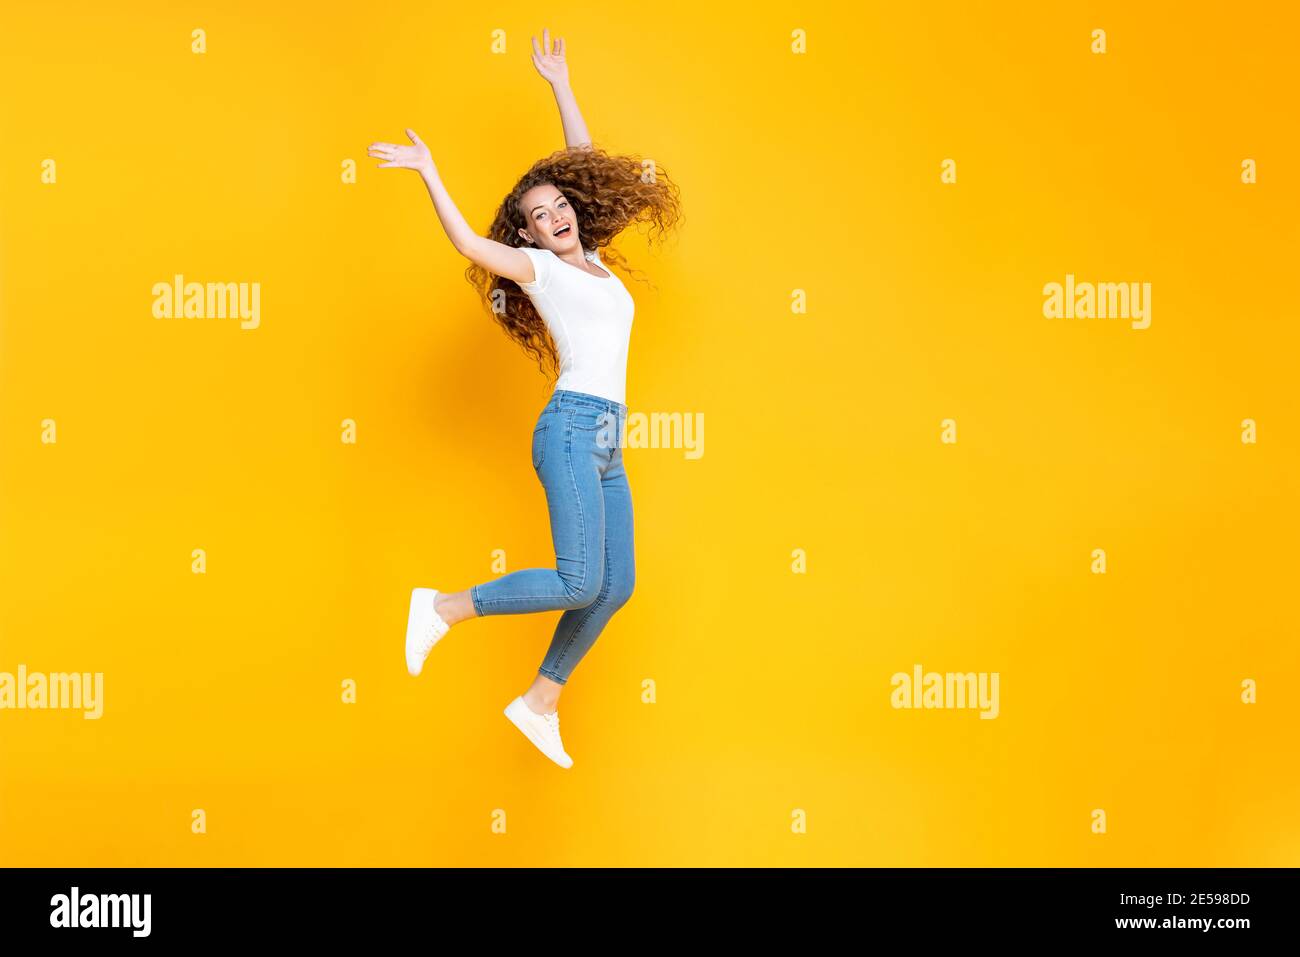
(607,193)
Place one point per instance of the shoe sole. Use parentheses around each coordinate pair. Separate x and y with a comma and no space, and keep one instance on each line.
(528,733)
(417,594)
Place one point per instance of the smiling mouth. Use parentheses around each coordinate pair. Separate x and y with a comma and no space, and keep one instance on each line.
(563,230)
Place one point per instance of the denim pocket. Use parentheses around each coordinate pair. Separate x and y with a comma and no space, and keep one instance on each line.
(539,445)
(590,420)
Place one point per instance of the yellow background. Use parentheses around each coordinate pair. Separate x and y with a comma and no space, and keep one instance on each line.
(817,172)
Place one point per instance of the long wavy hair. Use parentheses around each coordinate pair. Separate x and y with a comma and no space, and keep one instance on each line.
(607,193)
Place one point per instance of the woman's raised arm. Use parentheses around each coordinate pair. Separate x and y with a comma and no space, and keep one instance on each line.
(551,65)
(495,257)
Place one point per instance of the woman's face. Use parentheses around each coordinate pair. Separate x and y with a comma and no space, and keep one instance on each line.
(551,222)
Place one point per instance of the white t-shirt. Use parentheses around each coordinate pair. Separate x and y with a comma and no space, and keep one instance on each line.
(590,321)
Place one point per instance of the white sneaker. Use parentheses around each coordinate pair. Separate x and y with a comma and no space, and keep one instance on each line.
(541,729)
(424,626)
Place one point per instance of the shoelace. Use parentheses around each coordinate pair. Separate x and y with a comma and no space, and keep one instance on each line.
(430,637)
(553,719)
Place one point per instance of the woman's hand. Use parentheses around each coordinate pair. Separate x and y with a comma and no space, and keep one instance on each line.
(555,71)
(401,156)
(550,64)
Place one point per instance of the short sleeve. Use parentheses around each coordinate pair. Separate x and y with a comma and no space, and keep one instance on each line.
(542,259)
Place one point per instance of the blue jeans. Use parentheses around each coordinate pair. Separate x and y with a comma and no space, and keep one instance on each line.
(577,457)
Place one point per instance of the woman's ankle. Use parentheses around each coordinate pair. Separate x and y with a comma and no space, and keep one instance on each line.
(454,607)
(540,702)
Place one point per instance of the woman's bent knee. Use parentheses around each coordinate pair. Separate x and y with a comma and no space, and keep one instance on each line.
(582,595)
(620,590)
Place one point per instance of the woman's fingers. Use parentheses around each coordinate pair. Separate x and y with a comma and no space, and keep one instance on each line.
(542,54)
(405,156)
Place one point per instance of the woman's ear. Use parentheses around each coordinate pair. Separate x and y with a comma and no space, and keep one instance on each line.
(523,233)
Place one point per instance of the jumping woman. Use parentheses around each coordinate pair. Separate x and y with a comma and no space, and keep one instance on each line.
(541,275)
